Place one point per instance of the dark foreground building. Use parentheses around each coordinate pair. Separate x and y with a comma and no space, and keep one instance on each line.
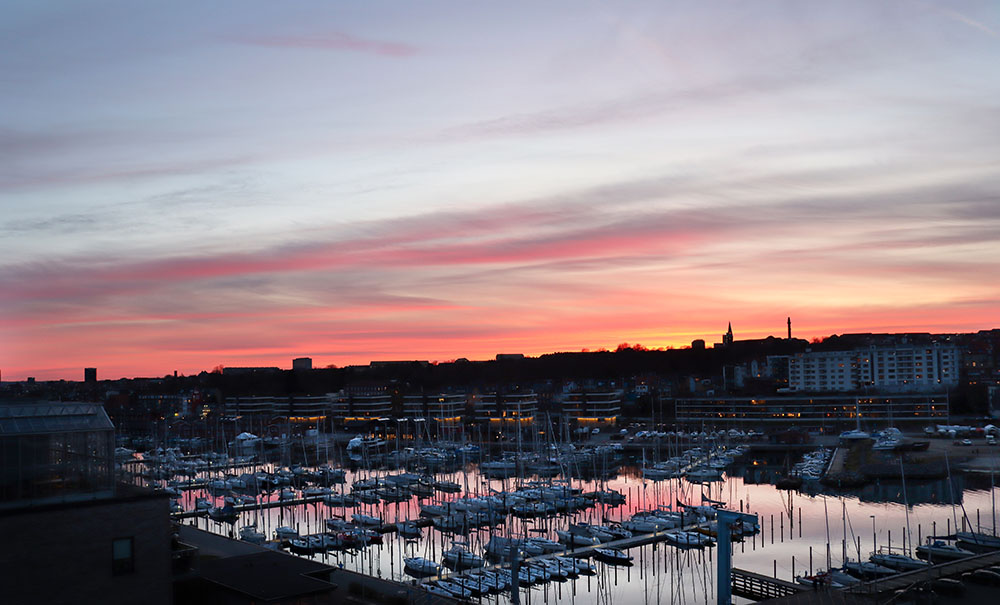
(71,534)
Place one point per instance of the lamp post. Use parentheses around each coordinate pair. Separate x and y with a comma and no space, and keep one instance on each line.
(873,532)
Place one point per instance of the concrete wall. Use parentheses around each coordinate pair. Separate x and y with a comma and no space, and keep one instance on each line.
(62,554)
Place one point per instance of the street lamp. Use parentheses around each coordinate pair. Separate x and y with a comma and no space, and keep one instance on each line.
(873,532)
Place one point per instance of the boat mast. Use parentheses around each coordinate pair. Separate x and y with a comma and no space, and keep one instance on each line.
(906,507)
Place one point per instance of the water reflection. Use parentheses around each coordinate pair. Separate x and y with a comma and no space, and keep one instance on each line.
(801,531)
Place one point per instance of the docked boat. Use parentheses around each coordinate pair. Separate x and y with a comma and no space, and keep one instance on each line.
(500,548)
(306,545)
(434,510)
(610,497)
(612,556)
(420,567)
(249,533)
(583,566)
(223,514)
(340,500)
(897,561)
(939,551)
(542,546)
(361,445)
(688,539)
(848,437)
(576,540)
(978,541)
(367,520)
(499,468)
(435,589)
(409,531)
(598,532)
(460,557)
(456,590)
(867,569)
(822,579)
(703,474)
(449,487)
(477,586)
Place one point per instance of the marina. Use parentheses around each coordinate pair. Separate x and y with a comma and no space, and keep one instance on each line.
(647,536)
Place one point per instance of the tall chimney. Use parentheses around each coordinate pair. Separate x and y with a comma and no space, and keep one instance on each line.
(789,328)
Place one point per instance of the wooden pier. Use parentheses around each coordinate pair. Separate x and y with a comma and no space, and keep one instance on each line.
(941,570)
(242,508)
(580,552)
(758,587)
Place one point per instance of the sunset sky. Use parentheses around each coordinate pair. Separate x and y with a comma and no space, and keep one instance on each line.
(185,185)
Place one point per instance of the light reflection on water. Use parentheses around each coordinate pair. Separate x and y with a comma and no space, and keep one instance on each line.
(792,523)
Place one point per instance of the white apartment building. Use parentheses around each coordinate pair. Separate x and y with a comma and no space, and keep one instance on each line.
(899,368)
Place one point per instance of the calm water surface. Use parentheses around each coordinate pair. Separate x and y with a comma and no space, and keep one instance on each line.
(792,524)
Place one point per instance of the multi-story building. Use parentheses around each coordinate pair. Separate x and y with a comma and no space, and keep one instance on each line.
(813,410)
(593,407)
(877,368)
(366,408)
(508,408)
(444,408)
(299,407)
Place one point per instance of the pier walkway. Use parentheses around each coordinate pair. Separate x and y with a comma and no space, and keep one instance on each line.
(941,570)
(242,508)
(579,552)
(758,587)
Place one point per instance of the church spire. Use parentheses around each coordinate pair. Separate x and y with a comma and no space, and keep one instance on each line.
(727,338)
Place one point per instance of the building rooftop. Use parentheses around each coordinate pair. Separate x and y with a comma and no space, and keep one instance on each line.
(52,417)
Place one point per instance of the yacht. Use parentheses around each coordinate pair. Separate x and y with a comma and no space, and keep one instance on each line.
(867,569)
(249,533)
(613,556)
(366,519)
(688,539)
(435,589)
(938,551)
(977,539)
(572,539)
(420,567)
(456,590)
(897,561)
(460,557)
(409,531)
(364,444)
